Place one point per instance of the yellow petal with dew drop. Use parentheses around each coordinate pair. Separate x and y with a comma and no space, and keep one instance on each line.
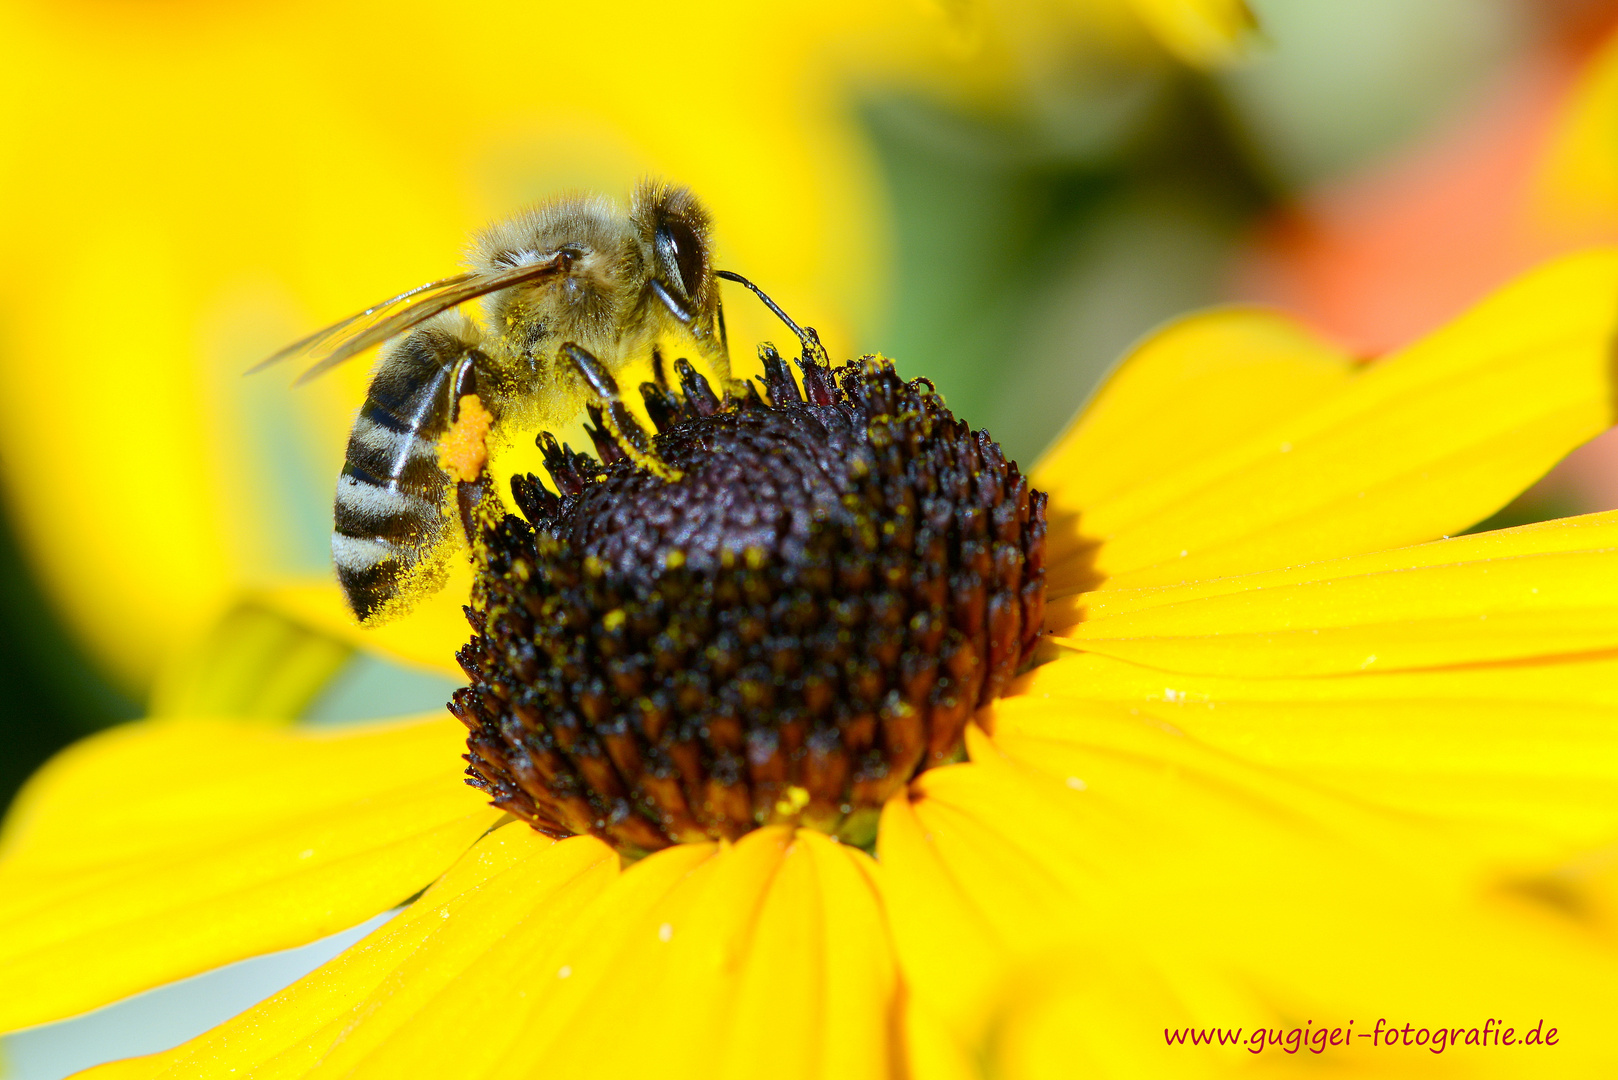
(769,957)
(1196,387)
(730,953)
(1561,681)
(1527,752)
(1421,444)
(1546,590)
(766,958)
(512,880)
(1243,908)
(478,962)
(470,1016)
(166,848)
(689,981)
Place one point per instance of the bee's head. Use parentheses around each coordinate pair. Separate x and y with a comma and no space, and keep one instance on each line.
(675,233)
(589,229)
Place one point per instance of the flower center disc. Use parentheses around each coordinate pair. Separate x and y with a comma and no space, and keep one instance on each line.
(775,610)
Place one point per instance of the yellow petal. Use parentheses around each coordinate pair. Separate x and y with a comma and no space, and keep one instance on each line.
(166,848)
(1194,388)
(253,664)
(952,872)
(427,637)
(1420,444)
(770,959)
(766,958)
(1525,751)
(513,879)
(1213,899)
(1097,1012)
(818,974)
(1576,192)
(1201,32)
(472,989)
(932,1051)
(1544,590)
(954,984)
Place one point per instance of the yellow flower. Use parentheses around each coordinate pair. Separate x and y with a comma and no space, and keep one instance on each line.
(1574,196)
(1295,757)
(1203,33)
(186,188)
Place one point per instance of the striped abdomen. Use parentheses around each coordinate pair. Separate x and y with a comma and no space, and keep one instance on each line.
(389,516)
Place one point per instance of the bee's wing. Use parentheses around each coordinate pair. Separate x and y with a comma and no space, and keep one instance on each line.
(376,324)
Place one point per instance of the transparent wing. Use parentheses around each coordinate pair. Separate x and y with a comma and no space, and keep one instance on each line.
(366,329)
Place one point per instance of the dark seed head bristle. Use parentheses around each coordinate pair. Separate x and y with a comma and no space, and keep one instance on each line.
(803,618)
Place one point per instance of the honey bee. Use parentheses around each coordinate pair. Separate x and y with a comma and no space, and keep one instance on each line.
(573,290)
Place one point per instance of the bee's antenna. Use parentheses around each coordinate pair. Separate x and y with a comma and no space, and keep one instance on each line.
(803,335)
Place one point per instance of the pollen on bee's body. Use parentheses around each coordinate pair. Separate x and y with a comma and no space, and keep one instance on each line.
(789,630)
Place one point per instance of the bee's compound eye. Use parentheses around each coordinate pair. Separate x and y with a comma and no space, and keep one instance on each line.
(680,255)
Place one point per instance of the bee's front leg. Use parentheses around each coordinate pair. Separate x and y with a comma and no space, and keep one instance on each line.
(620,426)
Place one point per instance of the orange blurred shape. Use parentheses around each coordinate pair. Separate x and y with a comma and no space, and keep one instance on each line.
(1388,255)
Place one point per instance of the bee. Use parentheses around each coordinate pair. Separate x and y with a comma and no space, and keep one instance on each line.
(572,290)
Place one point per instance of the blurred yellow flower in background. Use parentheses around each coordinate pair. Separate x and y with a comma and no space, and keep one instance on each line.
(1198,31)
(1294,754)
(1203,33)
(186,187)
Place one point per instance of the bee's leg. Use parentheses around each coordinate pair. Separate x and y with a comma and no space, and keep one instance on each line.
(682,314)
(624,431)
(709,339)
(662,403)
(463,380)
(476,504)
(724,337)
(660,370)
